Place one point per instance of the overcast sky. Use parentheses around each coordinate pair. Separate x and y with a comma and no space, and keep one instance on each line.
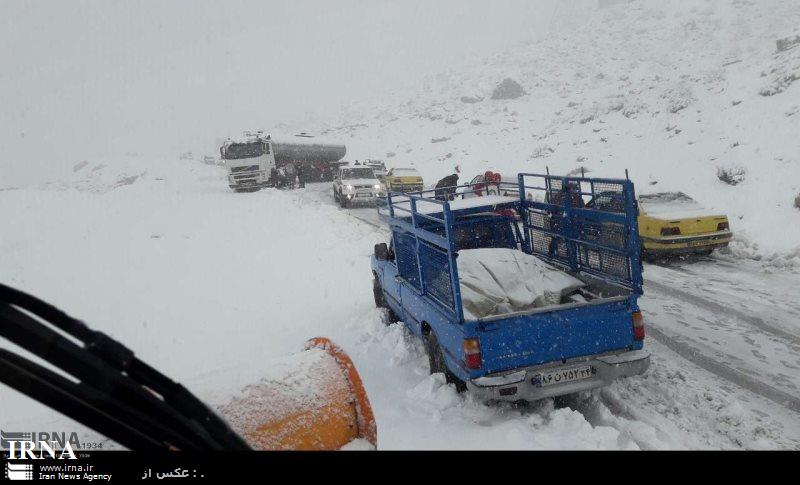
(87,79)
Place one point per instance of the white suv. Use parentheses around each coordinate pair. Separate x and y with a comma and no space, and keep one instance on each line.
(357,185)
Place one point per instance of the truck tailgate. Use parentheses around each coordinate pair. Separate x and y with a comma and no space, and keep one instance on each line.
(530,339)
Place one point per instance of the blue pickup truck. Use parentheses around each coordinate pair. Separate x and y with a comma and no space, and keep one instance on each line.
(519,298)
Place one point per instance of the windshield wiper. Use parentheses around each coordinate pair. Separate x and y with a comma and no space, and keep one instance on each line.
(113,392)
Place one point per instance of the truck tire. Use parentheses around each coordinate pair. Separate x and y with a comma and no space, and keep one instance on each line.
(377,293)
(335,197)
(380,302)
(436,363)
(343,203)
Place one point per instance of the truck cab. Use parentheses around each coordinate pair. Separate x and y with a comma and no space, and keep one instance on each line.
(249,161)
(518,310)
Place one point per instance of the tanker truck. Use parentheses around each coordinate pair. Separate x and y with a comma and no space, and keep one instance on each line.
(259,160)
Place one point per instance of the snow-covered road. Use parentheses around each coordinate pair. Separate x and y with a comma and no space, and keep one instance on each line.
(734,320)
(208,286)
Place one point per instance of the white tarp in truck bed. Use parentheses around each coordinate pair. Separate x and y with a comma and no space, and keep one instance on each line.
(497,281)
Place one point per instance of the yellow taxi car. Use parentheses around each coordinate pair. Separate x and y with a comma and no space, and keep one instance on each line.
(403,180)
(672,223)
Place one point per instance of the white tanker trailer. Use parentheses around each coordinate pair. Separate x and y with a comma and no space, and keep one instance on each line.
(257,160)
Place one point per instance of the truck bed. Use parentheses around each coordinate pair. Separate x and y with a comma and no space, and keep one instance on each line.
(521,303)
(498,281)
(600,324)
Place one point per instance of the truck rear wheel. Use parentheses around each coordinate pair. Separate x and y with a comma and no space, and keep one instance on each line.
(437,363)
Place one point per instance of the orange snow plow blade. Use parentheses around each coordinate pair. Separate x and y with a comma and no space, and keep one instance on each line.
(313,400)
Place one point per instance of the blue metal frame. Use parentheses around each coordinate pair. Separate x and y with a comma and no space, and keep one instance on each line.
(567,213)
(409,222)
(445,243)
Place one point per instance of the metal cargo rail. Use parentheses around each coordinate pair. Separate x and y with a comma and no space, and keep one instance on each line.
(583,225)
(424,225)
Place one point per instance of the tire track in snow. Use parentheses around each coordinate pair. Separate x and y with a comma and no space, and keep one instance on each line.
(721,370)
(715,307)
(371,223)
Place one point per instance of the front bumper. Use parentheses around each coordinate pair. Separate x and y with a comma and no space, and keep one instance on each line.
(364,196)
(247,180)
(518,385)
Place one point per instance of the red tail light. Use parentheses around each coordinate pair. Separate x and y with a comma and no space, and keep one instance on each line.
(722,226)
(670,231)
(472,353)
(638,325)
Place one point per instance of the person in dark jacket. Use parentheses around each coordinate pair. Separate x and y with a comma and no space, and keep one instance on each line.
(570,193)
(446,187)
(274,177)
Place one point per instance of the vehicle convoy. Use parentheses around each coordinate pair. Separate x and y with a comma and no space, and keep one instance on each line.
(378,167)
(258,160)
(672,223)
(357,185)
(518,311)
(403,180)
(126,400)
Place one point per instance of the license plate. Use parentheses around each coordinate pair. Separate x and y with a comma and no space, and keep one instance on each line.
(697,243)
(247,182)
(363,195)
(560,376)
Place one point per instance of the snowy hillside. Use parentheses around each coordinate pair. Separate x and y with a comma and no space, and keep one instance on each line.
(671,91)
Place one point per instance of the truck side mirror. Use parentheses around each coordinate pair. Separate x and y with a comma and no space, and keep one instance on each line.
(381,252)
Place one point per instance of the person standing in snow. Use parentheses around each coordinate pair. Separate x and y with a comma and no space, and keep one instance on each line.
(446,187)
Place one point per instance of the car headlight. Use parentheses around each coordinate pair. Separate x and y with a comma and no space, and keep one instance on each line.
(349,187)
(377,186)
